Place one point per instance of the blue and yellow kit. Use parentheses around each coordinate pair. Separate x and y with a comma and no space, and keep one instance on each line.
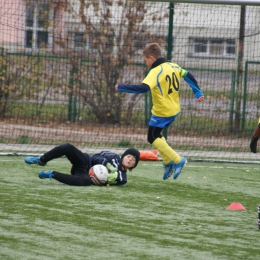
(163,80)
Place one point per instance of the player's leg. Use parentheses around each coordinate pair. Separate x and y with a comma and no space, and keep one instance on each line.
(255,138)
(80,162)
(54,153)
(156,139)
(169,156)
(74,180)
(74,155)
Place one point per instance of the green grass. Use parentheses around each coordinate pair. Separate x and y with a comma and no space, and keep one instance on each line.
(147,219)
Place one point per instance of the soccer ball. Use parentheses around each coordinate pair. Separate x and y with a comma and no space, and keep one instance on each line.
(98,174)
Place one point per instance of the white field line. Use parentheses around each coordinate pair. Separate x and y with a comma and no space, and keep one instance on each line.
(205,166)
(190,165)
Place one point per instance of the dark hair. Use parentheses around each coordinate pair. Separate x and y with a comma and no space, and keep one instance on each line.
(133,152)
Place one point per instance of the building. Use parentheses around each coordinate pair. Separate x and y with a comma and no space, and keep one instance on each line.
(200,32)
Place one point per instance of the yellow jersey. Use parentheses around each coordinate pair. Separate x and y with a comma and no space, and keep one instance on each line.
(164,83)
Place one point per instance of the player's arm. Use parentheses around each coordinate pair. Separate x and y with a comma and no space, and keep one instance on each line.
(98,159)
(135,89)
(113,177)
(189,78)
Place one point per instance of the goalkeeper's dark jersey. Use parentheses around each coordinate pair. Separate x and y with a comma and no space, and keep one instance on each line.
(115,160)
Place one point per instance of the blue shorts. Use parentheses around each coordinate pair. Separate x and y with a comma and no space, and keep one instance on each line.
(161,122)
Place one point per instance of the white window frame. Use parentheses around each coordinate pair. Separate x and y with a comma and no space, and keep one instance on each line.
(35,29)
(208,44)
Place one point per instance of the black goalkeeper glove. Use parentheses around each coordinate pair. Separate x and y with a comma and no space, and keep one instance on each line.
(253,143)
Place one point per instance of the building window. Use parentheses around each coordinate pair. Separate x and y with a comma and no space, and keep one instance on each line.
(80,41)
(141,40)
(37,25)
(213,47)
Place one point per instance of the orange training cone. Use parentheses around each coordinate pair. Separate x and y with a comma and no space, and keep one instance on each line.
(236,206)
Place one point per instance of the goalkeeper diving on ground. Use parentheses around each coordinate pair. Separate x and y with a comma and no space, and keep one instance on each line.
(255,137)
(163,80)
(82,162)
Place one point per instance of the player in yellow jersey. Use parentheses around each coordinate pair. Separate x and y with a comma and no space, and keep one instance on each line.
(255,137)
(163,80)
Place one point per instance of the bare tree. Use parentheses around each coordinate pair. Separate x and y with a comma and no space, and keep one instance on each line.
(116,32)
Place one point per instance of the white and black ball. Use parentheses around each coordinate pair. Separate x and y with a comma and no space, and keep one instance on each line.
(98,174)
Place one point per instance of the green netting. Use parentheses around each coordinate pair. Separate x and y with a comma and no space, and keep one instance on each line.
(60,61)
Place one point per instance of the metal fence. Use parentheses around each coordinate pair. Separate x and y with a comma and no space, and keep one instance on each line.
(60,61)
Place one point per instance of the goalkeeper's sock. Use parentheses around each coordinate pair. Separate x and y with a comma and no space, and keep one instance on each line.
(166,152)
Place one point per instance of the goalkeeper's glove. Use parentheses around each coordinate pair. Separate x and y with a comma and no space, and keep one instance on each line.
(111,178)
(111,168)
(253,144)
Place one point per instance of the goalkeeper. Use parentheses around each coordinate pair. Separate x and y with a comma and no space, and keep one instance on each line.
(255,137)
(81,163)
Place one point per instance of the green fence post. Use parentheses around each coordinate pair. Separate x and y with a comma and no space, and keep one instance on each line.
(147,104)
(1,69)
(169,49)
(74,111)
(72,104)
(38,91)
(232,99)
(244,96)
(239,75)
(245,91)
(146,107)
(70,93)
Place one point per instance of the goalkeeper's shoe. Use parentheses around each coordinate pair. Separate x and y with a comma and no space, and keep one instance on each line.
(168,170)
(34,160)
(45,174)
(178,167)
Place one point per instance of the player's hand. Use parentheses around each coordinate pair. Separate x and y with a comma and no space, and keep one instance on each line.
(116,87)
(111,178)
(111,168)
(200,99)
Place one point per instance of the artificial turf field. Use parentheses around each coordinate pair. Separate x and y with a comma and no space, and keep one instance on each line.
(147,219)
